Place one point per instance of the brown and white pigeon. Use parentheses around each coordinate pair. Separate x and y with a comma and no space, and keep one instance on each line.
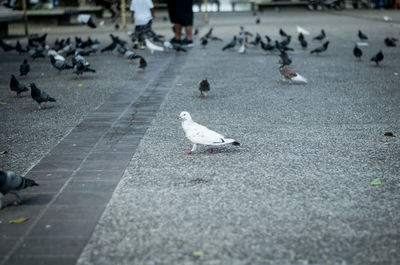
(291,75)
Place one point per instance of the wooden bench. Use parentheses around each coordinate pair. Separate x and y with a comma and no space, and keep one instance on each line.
(263,4)
(7,16)
(200,2)
(234,2)
(98,11)
(60,16)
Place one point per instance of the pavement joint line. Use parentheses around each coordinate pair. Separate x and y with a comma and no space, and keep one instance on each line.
(147,94)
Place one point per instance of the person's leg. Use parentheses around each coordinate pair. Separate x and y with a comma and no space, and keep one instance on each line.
(178,31)
(188,32)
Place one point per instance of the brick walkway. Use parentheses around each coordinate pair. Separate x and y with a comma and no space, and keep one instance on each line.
(78,177)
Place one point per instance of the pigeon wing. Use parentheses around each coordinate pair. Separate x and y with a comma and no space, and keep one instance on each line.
(288,73)
(200,134)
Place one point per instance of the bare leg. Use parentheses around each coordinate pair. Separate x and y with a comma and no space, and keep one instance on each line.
(188,32)
(191,151)
(178,31)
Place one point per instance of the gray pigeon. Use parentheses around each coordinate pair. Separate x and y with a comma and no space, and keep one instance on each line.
(320,49)
(17,86)
(11,183)
(59,64)
(231,44)
(40,96)
(24,68)
(81,65)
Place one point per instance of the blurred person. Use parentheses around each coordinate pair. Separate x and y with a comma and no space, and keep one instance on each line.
(142,16)
(181,14)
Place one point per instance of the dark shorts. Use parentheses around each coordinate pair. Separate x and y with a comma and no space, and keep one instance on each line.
(181,12)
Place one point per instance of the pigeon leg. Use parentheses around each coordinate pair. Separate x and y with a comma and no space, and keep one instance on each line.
(191,151)
(211,151)
(39,107)
(16,194)
(1,200)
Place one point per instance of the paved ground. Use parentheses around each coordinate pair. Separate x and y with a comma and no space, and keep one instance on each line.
(296,192)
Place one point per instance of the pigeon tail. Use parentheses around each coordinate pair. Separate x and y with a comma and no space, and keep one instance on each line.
(299,79)
(52,99)
(236,143)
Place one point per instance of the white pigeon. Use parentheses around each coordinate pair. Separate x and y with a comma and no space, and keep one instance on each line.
(387,19)
(152,47)
(167,45)
(302,30)
(243,47)
(199,134)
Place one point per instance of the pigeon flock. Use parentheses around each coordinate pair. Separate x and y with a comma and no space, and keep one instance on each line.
(79,50)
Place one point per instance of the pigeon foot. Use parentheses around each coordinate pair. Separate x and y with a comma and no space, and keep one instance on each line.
(188,153)
(211,151)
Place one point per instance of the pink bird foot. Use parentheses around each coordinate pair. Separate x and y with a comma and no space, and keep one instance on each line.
(211,151)
(188,153)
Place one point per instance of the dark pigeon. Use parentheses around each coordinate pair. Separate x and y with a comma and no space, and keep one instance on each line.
(321,36)
(283,33)
(204,43)
(267,46)
(231,44)
(40,96)
(323,48)
(142,63)
(24,68)
(285,59)
(357,52)
(304,43)
(17,86)
(12,183)
(19,49)
(390,42)
(378,57)
(204,87)
(362,36)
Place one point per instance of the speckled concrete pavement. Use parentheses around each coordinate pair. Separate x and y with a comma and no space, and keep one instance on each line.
(298,189)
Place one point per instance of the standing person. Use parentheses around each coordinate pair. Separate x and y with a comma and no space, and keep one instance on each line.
(142,15)
(181,14)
